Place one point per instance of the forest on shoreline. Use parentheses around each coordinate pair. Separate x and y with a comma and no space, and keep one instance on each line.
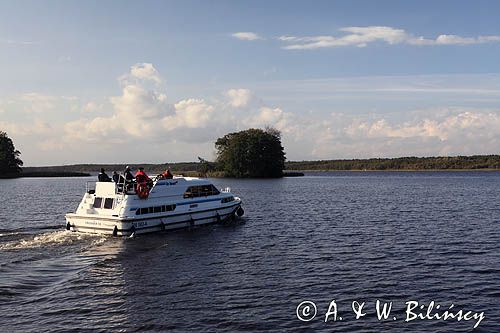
(476,162)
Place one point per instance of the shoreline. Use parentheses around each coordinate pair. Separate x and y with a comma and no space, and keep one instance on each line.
(47,174)
(395,170)
(286,173)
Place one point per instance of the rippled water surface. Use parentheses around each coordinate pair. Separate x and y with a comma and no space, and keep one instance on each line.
(327,236)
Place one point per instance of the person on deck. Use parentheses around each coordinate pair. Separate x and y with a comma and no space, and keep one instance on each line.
(128,175)
(129,179)
(141,177)
(103,177)
(167,174)
(116,177)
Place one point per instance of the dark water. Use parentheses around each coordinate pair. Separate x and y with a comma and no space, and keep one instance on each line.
(341,236)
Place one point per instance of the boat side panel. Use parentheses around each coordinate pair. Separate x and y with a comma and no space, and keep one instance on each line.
(94,224)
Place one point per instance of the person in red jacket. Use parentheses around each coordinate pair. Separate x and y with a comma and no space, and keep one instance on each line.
(143,185)
(167,174)
(141,177)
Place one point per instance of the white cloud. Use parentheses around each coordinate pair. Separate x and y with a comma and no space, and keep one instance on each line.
(267,117)
(37,102)
(102,130)
(143,113)
(141,120)
(145,71)
(92,107)
(429,133)
(362,36)
(250,36)
(36,127)
(239,98)
(190,113)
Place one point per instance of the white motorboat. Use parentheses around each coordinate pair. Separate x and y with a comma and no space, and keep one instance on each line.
(125,209)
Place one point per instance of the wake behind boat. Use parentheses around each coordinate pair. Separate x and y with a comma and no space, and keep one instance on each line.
(122,209)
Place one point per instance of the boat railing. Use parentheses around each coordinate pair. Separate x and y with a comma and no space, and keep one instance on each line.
(120,185)
(226,190)
(90,187)
(123,186)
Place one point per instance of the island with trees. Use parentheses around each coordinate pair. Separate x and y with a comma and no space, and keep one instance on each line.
(253,153)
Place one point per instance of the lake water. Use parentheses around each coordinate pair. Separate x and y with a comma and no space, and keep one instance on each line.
(346,237)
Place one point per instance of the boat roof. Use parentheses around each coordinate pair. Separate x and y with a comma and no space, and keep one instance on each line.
(175,185)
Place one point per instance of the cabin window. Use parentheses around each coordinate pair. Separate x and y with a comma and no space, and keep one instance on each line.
(156,209)
(215,191)
(200,191)
(108,203)
(228,199)
(97,202)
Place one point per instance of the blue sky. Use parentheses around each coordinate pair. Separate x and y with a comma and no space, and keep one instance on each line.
(340,79)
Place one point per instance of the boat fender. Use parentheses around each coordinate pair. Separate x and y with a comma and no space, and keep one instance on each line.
(240,212)
(68,226)
(142,190)
(191,223)
(115,231)
(218,217)
(162,226)
(132,232)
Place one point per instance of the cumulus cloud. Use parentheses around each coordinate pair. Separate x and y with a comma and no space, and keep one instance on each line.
(268,116)
(92,107)
(145,71)
(142,112)
(143,121)
(37,102)
(362,36)
(239,97)
(429,133)
(250,36)
(190,113)
(136,113)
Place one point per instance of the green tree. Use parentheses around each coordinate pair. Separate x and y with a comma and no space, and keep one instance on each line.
(10,164)
(205,166)
(251,153)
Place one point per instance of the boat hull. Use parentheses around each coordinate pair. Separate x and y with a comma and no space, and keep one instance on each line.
(125,227)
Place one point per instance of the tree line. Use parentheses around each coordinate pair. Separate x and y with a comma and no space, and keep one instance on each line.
(474,162)
(248,154)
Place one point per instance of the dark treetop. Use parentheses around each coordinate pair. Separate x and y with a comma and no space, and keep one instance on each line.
(251,153)
(10,163)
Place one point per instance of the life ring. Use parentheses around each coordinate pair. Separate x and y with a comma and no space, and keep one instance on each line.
(142,190)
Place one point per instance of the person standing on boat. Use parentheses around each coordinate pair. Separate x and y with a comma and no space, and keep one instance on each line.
(144,184)
(116,177)
(128,175)
(129,178)
(141,177)
(103,177)
(167,174)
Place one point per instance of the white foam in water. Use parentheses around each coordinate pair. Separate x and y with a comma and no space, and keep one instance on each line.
(53,238)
